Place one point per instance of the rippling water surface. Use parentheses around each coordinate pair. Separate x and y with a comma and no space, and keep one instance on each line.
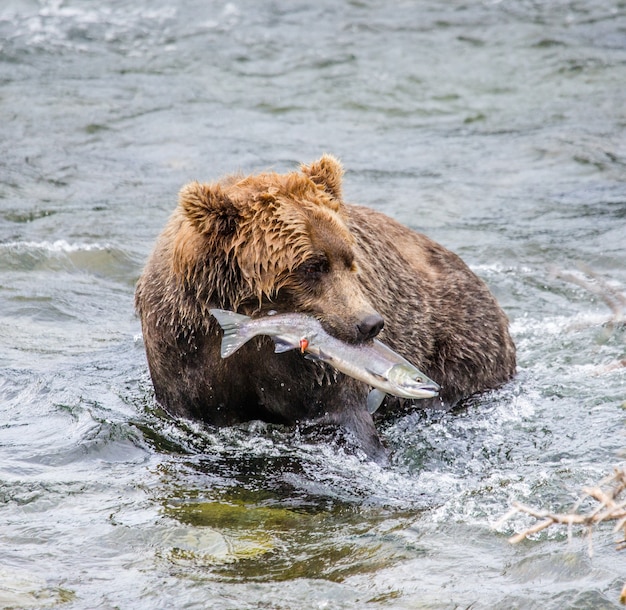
(499,128)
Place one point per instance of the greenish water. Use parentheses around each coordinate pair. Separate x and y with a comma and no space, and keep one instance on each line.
(498,128)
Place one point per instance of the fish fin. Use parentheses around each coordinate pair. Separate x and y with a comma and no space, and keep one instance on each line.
(376,375)
(319,356)
(234,334)
(374,400)
(282,346)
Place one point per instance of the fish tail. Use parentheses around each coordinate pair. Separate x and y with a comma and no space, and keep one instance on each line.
(235,334)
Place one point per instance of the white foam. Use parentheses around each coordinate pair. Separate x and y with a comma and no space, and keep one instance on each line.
(499,269)
(53,24)
(59,245)
(556,325)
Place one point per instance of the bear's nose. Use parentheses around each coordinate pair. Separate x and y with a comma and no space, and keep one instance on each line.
(370,326)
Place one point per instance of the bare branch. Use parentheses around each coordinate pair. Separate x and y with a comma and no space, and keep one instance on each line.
(607,510)
(597,285)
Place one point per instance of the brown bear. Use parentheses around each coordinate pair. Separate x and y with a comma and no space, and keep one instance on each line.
(288,242)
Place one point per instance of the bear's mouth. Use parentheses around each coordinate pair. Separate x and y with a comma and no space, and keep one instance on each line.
(355,332)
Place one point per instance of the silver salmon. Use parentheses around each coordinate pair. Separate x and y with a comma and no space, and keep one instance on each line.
(373,362)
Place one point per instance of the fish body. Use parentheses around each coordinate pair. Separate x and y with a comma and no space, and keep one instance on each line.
(373,362)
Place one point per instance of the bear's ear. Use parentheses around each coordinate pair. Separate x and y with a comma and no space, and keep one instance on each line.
(327,172)
(208,208)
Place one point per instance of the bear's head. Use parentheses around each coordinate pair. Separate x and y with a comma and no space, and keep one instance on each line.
(275,241)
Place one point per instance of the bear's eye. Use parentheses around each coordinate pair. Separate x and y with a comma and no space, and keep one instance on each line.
(316,266)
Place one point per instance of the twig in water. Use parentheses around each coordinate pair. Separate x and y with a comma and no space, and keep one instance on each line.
(615,300)
(611,507)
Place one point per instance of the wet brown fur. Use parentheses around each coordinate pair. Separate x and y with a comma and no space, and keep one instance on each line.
(287,242)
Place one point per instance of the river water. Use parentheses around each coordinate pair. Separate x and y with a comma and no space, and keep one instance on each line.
(497,127)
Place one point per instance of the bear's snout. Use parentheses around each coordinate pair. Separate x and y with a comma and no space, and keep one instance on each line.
(370,326)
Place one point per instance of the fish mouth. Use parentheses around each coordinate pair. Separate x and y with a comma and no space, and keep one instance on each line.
(425,389)
(428,390)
